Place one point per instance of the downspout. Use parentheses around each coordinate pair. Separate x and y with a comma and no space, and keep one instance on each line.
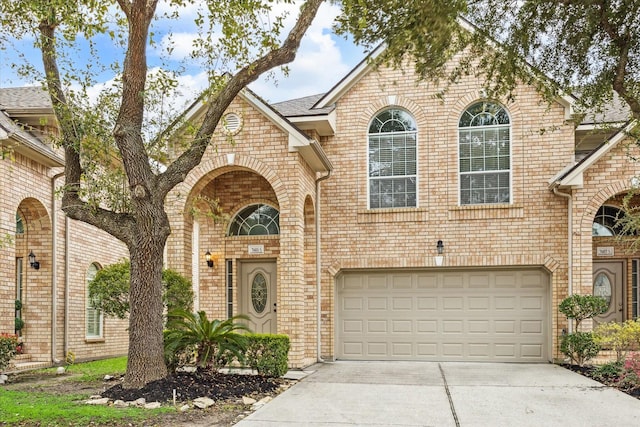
(67,234)
(569,243)
(318,268)
(54,267)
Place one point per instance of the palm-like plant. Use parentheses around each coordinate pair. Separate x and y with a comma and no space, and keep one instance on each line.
(209,338)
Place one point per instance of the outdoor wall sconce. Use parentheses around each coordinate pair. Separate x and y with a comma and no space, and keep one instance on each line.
(32,261)
(207,257)
(440,251)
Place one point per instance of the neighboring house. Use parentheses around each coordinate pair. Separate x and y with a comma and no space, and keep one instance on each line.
(379,221)
(52,286)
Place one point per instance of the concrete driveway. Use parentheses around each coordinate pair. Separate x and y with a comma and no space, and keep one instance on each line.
(446,394)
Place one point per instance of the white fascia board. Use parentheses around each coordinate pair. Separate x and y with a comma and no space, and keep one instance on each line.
(351,79)
(575,177)
(324,124)
(600,126)
(3,135)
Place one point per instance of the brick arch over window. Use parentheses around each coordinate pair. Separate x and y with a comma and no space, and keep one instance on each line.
(391,101)
(210,169)
(599,199)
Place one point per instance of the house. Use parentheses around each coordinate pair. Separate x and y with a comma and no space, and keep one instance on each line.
(438,229)
(379,221)
(47,258)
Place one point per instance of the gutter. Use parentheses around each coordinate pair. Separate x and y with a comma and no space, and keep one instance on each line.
(569,198)
(54,267)
(318,268)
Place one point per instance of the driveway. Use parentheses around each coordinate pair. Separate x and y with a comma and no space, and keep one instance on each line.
(446,394)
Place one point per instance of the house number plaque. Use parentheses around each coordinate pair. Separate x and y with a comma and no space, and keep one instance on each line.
(255,249)
(605,251)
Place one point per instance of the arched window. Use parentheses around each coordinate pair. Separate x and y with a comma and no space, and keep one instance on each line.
(606,222)
(484,143)
(255,220)
(94,316)
(392,160)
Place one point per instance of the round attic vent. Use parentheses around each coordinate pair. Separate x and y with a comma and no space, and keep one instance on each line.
(231,123)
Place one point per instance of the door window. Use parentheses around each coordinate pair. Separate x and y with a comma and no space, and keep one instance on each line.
(602,287)
(259,293)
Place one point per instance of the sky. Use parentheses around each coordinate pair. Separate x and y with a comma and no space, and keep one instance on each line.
(322,60)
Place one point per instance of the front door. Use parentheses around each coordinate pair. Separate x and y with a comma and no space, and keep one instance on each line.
(258,295)
(608,283)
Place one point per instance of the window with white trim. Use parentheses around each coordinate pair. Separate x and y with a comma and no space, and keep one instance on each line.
(392,160)
(94,316)
(255,220)
(484,144)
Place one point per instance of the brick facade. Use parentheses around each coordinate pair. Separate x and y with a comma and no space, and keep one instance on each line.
(260,165)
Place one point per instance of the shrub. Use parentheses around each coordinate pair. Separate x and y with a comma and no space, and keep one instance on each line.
(580,307)
(19,324)
(579,347)
(109,290)
(268,354)
(8,349)
(208,338)
(619,337)
(608,372)
(632,363)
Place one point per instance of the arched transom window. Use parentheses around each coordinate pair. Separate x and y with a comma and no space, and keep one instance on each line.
(392,160)
(484,142)
(606,222)
(255,220)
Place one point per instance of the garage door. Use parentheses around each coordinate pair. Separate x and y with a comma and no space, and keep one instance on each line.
(488,315)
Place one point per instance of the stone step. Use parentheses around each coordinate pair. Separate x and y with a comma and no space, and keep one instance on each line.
(22,358)
(20,366)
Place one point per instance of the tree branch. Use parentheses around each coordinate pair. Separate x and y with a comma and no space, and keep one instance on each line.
(178,170)
(73,206)
(621,41)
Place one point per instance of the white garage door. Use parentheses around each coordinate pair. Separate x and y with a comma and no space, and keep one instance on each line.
(488,315)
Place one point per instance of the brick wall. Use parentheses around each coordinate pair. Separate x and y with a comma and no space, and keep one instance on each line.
(530,231)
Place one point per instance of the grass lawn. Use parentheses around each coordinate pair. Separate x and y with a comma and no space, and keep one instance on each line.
(44,398)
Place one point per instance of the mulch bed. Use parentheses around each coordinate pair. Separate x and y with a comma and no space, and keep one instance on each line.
(589,371)
(190,386)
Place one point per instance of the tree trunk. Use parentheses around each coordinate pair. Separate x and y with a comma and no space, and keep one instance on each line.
(146,346)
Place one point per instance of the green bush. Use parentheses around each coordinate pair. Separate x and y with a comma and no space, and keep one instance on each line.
(580,347)
(580,307)
(8,349)
(619,337)
(268,354)
(608,372)
(109,290)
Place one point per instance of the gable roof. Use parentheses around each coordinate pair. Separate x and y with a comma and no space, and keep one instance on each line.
(301,112)
(573,175)
(298,141)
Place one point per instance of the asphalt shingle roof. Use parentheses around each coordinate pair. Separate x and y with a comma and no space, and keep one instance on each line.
(300,107)
(23,98)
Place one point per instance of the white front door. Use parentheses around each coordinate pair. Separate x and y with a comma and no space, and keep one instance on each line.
(258,295)
(607,283)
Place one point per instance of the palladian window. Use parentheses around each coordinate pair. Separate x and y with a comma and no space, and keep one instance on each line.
(606,222)
(392,160)
(255,220)
(484,143)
